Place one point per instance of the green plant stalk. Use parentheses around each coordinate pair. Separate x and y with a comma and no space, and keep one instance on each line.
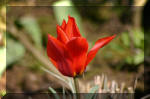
(76,84)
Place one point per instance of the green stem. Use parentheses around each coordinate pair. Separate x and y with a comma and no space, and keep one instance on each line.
(76,84)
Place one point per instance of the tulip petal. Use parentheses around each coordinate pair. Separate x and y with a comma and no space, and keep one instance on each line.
(99,44)
(71,28)
(54,63)
(78,48)
(63,24)
(60,56)
(61,35)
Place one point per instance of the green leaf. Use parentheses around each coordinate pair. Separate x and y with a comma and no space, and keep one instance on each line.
(55,75)
(33,29)
(116,46)
(92,92)
(54,93)
(68,81)
(129,59)
(64,96)
(138,38)
(64,8)
(125,39)
(105,83)
(94,89)
(2,93)
(2,60)
(136,58)
(15,51)
(139,57)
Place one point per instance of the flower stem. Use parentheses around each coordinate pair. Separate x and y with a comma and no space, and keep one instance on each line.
(76,84)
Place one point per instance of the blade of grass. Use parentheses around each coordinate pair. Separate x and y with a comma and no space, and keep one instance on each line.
(54,93)
(67,81)
(64,96)
(92,92)
(105,84)
(46,70)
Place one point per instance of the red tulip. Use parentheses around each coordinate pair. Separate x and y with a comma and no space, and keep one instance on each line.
(69,51)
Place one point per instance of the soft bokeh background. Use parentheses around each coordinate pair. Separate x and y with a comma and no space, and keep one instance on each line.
(28,25)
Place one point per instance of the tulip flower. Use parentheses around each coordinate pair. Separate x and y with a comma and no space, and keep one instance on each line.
(69,51)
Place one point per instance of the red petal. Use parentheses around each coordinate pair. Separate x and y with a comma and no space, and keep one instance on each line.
(71,28)
(78,48)
(61,35)
(99,44)
(54,63)
(63,24)
(59,54)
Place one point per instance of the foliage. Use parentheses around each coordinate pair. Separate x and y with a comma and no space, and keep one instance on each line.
(31,26)
(15,51)
(92,92)
(138,42)
(127,48)
(54,93)
(2,93)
